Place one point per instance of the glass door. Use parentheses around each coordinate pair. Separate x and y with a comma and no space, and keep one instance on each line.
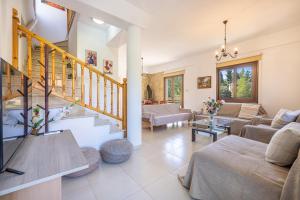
(173,86)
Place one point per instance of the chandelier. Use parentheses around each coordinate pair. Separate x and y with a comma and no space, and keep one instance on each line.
(224,51)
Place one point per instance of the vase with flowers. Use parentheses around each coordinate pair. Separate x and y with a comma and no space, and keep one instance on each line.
(212,106)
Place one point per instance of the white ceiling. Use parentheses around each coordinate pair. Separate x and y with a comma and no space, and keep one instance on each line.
(182,27)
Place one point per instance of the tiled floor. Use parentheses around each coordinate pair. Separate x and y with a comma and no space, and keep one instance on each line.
(150,174)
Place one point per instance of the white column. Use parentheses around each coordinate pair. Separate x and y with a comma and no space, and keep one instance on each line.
(134,85)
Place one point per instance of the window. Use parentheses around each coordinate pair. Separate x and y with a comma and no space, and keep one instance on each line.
(238,83)
(174,89)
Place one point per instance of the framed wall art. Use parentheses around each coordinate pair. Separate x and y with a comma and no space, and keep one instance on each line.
(91,57)
(204,82)
(107,66)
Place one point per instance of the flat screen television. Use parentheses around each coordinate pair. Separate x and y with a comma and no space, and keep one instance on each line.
(15,111)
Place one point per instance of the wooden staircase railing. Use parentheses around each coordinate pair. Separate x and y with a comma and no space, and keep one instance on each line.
(115,107)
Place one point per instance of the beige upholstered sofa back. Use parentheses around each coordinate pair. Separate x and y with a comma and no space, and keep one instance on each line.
(233,110)
(230,110)
(161,109)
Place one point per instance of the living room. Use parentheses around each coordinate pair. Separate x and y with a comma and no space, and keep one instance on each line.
(152,100)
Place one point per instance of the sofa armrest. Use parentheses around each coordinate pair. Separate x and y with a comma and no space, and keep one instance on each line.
(291,186)
(183,110)
(148,115)
(237,124)
(262,120)
(258,133)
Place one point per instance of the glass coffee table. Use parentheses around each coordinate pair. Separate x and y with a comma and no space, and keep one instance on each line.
(217,126)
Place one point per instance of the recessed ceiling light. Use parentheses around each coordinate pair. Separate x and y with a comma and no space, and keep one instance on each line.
(97,21)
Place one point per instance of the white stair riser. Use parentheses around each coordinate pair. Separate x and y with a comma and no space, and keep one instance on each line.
(87,135)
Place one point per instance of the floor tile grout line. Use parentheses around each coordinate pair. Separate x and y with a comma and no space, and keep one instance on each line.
(140,184)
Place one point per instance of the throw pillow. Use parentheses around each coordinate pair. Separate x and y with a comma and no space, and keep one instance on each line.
(284,145)
(283,117)
(249,111)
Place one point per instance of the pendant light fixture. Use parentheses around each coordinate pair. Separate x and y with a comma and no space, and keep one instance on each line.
(224,52)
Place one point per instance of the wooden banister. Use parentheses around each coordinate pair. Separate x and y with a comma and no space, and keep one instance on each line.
(15,40)
(109,84)
(124,107)
(29,52)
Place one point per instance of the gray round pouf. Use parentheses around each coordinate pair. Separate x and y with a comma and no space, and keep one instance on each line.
(93,158)
(116,151)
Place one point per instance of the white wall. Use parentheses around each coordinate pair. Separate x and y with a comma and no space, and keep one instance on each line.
(26,13)
(122,61)
(279,71)
(72,37)
(91,38)
(52,22)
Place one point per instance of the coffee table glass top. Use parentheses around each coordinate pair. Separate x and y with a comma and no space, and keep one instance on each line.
(217,122)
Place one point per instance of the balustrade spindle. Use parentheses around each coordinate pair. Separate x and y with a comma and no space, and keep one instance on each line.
(42,60)
(73,78)
(118,100)
(105,96)
(15,38)
(64,75)
(53,69)
(111,98)
(91,89)
(82,85)
(29,52)
(124,107)
(98,92)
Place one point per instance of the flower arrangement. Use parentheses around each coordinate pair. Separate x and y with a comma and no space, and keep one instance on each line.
(212,106)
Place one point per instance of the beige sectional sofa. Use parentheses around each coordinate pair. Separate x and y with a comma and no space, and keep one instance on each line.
(240,167)
(235,168)
(232,111)
(162,114)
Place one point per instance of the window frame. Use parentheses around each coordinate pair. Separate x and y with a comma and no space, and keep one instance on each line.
(172,90)
(254,99)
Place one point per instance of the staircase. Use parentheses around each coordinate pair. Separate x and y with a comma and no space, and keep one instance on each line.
(100,100)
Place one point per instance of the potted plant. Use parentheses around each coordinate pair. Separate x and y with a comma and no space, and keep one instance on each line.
(37,120)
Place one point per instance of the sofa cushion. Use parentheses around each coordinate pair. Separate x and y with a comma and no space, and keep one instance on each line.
(283,117)
(171,118)
(230,110)
(284,145)
(249,111)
